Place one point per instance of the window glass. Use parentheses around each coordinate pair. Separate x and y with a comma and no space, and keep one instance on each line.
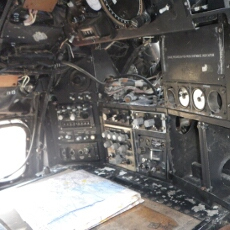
(12,151)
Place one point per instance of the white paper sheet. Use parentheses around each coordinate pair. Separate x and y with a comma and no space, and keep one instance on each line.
(74,200)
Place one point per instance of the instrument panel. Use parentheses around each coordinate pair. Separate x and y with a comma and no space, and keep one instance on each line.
(135,140)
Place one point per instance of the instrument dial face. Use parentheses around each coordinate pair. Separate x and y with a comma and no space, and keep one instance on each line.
(122,11)
(184,97)
(199,99)
(94,4)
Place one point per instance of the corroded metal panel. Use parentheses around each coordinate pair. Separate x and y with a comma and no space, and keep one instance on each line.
(41,5)
(8,80)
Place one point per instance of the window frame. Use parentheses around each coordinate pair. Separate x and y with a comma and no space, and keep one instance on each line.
(16,123)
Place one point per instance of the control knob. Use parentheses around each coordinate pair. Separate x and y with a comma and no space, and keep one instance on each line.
(64,153)
(123,137)
(60,117)
(117,117)
(72,154)
(115,146)
(107,144)
(80,97)
(118,159)
(84,115)
(86,138)
(123,148)
(109,135)
(115,136)
(79,138)
(106,116)
(149,123)
(72,117)
(138,121)
(86,150)
(104,134)
(68,137)
(88,97)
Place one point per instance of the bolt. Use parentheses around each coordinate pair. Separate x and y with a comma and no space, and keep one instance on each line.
(166,8)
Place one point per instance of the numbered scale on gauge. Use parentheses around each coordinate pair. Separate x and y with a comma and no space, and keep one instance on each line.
(122,11)
(199,99)
(184,97)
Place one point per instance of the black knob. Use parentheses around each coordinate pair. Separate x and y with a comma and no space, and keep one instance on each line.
(142,166)
(140,20)
(84,115)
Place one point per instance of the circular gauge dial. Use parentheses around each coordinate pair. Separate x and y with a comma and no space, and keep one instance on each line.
(122,11)
(184,97)
(199,99)
(94,4)
(214,101)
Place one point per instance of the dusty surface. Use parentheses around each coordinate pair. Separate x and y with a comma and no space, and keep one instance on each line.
(150,215)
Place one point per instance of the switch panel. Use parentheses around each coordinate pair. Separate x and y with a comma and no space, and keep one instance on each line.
(79,152)
(116,116)
(76,134)
(154,122)
(119,144)
(76,123)
(151,155)
(75,115)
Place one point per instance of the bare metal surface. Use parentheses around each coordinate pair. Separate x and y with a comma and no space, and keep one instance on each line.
(150,215)
(8,80)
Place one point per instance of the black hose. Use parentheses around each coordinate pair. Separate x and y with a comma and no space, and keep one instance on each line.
(140,77)
(41,118)
(82,71)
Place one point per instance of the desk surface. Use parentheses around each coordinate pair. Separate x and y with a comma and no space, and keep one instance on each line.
(150,215)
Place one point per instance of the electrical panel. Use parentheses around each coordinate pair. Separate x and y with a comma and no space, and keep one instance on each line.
(120,148)
(151,155)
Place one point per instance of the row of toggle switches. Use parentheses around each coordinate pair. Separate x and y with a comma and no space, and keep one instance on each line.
(78,138)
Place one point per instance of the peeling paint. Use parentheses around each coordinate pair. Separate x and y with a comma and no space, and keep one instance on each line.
(191,201)
(198,208)
(212,212)
(39,36)
(107,169)
(101,173)
(121,173)
(171,193)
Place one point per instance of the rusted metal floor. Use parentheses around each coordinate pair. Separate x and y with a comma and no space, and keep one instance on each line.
(150,215)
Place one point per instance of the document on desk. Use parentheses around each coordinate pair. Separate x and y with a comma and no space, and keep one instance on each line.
(73,200)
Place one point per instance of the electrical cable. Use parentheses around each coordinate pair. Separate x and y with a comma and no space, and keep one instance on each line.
(82,71)
(140,77)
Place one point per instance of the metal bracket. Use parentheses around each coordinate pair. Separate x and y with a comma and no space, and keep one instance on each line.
(202,128)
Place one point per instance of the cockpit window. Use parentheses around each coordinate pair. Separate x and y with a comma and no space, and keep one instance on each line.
(12,150)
